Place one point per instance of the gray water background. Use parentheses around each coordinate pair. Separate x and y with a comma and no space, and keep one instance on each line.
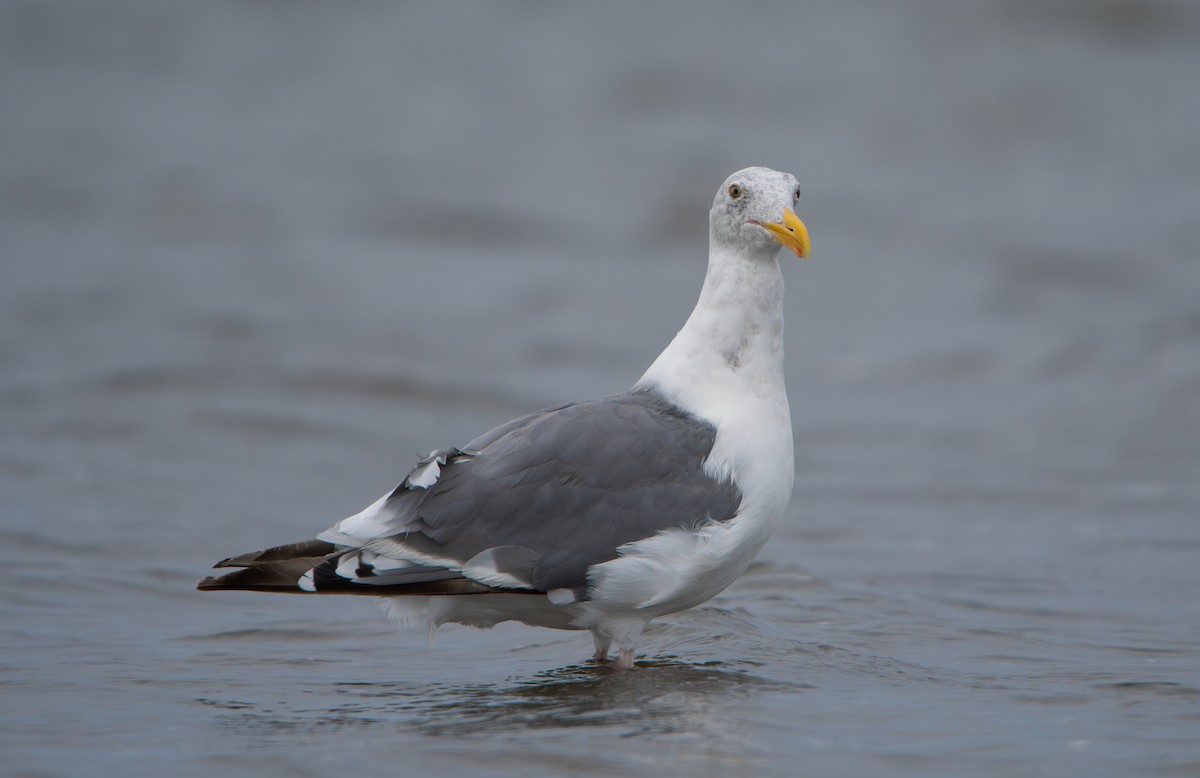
(258,256)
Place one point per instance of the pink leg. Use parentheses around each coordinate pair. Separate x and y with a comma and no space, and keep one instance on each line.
(625,659)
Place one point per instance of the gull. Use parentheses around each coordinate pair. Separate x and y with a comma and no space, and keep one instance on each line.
(599,515)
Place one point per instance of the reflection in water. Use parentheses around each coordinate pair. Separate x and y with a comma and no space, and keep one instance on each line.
(661,697)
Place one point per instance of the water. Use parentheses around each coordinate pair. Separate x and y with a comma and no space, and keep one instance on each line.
(256,257)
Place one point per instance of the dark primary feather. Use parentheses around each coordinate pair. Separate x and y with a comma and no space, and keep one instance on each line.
(303,549)
(569,484)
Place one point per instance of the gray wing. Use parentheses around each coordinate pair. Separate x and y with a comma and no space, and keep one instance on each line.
(536,502)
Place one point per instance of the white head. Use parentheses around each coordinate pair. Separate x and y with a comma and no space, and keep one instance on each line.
(753,210)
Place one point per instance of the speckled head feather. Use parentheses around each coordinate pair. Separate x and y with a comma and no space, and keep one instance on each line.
(748,198)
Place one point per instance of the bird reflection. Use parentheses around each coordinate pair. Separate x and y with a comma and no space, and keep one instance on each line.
(663,697)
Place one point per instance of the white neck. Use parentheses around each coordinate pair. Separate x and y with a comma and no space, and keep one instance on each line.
(731,348)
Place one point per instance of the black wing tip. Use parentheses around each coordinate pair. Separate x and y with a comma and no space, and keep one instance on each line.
(305,549)
(208,583)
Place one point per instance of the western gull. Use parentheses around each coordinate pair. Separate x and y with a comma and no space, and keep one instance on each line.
(599,515)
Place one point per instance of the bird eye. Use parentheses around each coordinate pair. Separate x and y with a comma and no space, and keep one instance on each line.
(735,191)
(796,194)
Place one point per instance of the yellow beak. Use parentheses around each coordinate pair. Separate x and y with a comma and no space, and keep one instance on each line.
(791,232)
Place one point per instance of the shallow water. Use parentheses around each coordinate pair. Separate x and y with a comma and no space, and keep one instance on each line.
(257,257)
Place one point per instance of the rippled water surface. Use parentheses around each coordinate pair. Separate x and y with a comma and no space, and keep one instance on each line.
(258,256)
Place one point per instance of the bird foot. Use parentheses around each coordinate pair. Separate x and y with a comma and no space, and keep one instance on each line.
(625,659)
